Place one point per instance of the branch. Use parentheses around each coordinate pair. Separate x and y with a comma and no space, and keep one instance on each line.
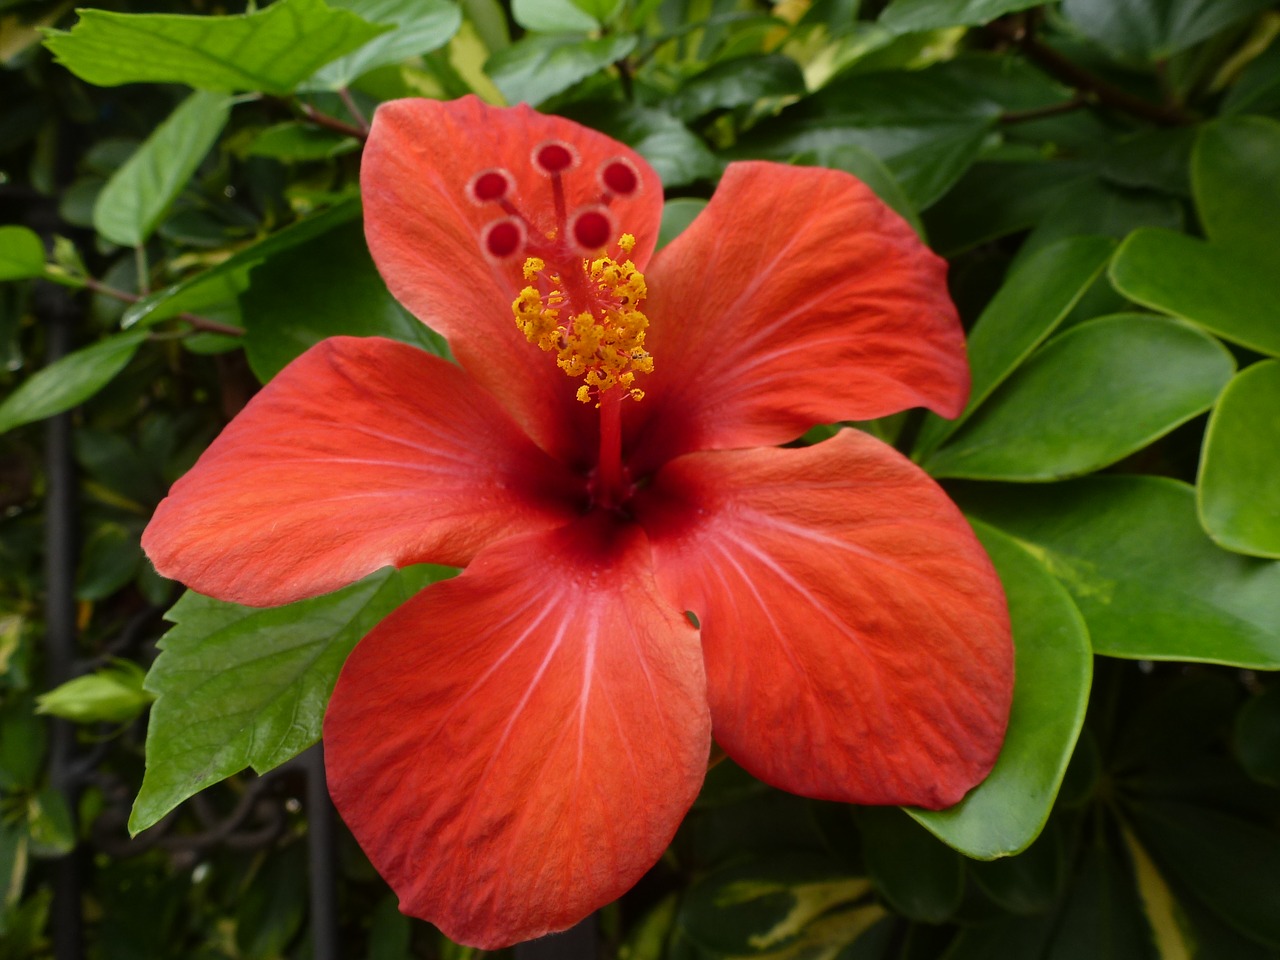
(332,123)
(203,324)
(1087,84)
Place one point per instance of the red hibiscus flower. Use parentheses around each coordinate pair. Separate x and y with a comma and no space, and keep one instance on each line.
(515,747)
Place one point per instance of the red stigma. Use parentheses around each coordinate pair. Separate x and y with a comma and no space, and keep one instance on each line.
(592,228)
(619,177)
(502,238)
(554,157)
(489,186)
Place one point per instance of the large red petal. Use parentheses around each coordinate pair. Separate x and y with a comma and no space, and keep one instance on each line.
(856,636)
(796,297)
(516,747)
(425,235)
(362,453)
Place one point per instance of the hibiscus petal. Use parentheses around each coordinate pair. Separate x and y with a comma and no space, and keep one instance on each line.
(796,297)
(516,747)
(856,636)
(425,235)
(362,453)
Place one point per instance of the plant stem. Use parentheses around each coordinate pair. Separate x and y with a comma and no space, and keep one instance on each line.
(331,123)
(203,324)
(1089,84)
(352,108)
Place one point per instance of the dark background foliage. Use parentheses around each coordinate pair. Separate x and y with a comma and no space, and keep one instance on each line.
(1104,177)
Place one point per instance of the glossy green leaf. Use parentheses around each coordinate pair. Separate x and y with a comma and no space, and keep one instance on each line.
(677,214)
(1257,737)
(536,68)
(49,823)
(737,82)
(761,908)
(296,140)
(272,50)
(113,694)
(995,199)
(69,381)
(925,126)
(1239,482)
(1030,304)
(325,287)
(553,16)
(21,254)
(1155,29)
(135,199)
(908,16)
(1150,584)
(231,275)
(242,687)
(109,559)
(1102,915)
(919,877)
(421,26)
(1224,290)
(1228,863)
(1235,171)
(1094,207)
(1054,663)
(1056,416)
(1031,881)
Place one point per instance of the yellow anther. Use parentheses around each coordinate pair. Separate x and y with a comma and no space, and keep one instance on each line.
(600,337)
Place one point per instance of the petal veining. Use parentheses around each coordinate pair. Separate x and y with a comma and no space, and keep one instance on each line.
(516,747)
(362,453)
(856,636)
(797,297)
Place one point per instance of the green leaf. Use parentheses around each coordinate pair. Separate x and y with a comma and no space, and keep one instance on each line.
(1095,207)
(69,381)
(1239,496)
(761,908)
(21,254)
(1224,290)
(925,126)
(1150,584)
(677,214)
(1155,29)
(241,687)
(109,560)
(113,694)
(919,877)
(536,68)
(1031,881)
(910,16)
(272,50)
(735,83)
(553,16)
(1228,863)
(231,275)
(421,26)
(296,140)
(1055,417)
(135,199)
(1235,172)
(271,910)
(50,825)
(1053,668)
(324,287)
(1033,300)
(1257,737)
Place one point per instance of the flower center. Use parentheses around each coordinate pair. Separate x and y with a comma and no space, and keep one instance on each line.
(581,303)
